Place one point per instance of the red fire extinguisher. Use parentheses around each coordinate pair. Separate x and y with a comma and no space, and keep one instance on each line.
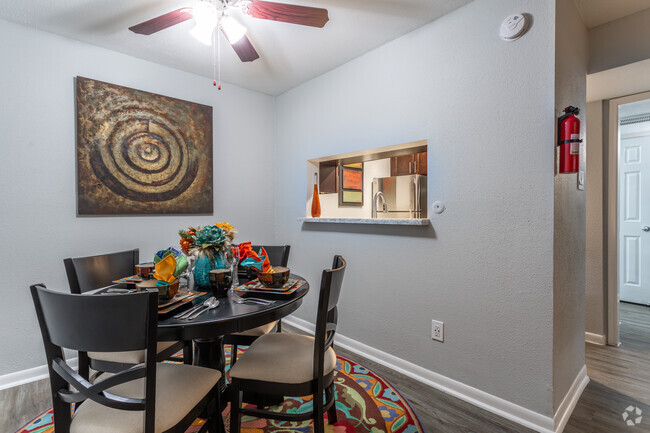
(568,140)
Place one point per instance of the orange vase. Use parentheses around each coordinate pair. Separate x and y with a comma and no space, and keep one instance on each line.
(315,202)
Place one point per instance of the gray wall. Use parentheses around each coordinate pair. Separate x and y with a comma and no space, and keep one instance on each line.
(485,267)
(570,211)
(39,226)
(620,42)
(595,282)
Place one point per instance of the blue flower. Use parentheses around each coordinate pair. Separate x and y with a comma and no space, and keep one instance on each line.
(388,413)
(359,369)
(364,383)
(391,394)
(210,236)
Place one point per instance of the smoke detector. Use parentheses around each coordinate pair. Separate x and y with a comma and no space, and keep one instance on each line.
(513,27)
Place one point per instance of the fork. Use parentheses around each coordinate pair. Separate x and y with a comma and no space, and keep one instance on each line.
(194,309)
(239,300)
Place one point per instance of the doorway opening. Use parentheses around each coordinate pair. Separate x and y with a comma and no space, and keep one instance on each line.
(621,373)
(628,237)
(634,203)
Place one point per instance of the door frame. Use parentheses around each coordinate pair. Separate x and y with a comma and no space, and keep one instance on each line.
(611,212)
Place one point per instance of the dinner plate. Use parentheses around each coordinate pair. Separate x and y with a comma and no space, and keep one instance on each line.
(255,288)
(180,295)
(178,305)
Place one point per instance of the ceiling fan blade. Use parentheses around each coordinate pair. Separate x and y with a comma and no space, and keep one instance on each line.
(303,15)
(244,49)
(162,22)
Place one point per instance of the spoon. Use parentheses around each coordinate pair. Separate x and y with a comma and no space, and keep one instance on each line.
(214,303)
(192,310)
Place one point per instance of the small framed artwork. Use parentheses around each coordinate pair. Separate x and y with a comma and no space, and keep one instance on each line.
(351,184)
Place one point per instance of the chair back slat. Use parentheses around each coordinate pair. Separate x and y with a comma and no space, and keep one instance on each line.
(97,391)
(278,254)
(94,272)
(327,316)
(330,327)
(338,269)
(101,323)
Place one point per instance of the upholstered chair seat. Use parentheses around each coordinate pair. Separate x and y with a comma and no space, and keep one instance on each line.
(257,332)
(131,357)
(291,355)
(179,388)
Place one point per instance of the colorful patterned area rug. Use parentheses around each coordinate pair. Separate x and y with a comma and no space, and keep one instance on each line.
(365,402)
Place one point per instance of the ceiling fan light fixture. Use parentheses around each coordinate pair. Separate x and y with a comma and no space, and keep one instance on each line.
(232,29)
(206,18)
(202,34)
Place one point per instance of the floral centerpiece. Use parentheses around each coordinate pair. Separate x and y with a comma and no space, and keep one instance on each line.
(211,246)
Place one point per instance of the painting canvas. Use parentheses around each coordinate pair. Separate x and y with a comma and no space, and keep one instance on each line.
(141,153)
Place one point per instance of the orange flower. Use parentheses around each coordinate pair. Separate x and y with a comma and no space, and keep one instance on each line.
(228,229)
(225,226)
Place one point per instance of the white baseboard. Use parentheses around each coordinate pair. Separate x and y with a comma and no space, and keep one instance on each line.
(570,400)
(482,399)
(489,402)
(598,339)
(30,375)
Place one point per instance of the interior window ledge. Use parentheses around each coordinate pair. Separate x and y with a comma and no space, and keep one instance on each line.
(375,221)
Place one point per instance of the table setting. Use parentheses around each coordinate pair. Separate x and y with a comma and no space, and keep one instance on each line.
(211,287)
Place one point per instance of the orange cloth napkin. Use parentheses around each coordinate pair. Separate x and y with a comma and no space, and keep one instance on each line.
(249,257)
(246,251)
(165,269)
(266,266)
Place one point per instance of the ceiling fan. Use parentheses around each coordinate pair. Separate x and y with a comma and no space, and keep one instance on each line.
(210,14)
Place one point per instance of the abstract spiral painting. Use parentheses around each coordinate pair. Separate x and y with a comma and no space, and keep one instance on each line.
(141,153)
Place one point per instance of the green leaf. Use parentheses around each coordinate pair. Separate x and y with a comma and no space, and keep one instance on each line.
(398,423)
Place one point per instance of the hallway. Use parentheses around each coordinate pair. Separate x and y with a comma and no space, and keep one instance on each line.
(620,377)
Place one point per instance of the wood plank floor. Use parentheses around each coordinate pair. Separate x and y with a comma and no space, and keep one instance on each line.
(438,412)
(620,377)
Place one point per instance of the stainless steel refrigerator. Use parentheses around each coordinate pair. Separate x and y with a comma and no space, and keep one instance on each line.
(399,196)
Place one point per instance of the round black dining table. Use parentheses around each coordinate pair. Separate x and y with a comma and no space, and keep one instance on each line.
(208,329)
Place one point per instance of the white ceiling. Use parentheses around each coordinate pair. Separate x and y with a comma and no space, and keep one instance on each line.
(597,12)
(289,54)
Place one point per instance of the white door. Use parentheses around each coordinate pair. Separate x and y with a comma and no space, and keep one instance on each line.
(634,220)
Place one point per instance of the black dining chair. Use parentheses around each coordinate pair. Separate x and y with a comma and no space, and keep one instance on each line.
(278,256)
(94,272)
(150,397)
(282,364)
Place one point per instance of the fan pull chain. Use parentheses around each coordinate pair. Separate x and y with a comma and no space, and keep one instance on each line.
(216,35)
(216,59)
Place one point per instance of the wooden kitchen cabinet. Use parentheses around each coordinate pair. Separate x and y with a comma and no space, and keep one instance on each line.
(420,160)
(415,163)
(401,165)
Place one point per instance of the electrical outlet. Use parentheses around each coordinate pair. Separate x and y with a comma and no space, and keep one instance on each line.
(438,330)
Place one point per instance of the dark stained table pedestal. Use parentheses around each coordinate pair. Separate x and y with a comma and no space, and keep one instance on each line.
(209,353)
